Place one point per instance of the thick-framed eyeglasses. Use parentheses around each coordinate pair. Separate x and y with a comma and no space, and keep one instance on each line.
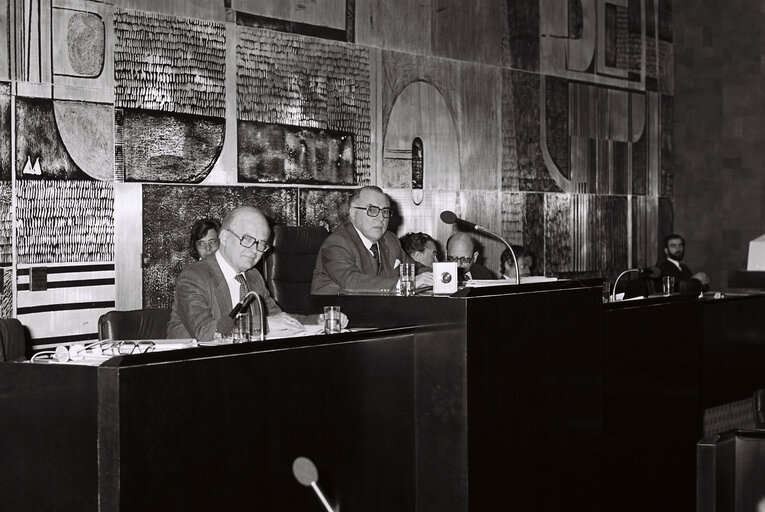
(460,259)
(374,211)
(248,241)
(208,244)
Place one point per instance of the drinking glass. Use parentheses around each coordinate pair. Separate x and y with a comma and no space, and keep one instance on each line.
(331,319)
(668,284)
(406,282)
(242,328)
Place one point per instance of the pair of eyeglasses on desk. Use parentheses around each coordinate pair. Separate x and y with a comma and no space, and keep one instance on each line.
(78,352)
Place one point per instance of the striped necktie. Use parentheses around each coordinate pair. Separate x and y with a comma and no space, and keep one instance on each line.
(243,288)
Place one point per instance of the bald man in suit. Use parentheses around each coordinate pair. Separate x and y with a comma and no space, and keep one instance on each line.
(206,290)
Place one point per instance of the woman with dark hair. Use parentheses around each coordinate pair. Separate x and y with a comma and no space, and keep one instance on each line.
(527,263)
(204,238)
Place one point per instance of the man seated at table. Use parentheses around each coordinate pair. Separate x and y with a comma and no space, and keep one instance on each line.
(461,248)
(422,249)
(362,255)
(207,290)
(685,280)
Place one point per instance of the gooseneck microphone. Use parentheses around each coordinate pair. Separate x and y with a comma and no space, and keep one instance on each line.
(448,217)
(643,273)
(246,300)
(306,473)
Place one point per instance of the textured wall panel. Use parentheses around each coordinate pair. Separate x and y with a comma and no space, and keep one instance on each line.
(64,221)
(294,80)
(170,64)
(6,223)
(532,173)
(166,147)
(272,153)
(558,240)
(521,45)
(169,213)
(324,207)
(6,295)
(40,151)
(5,132)
(67,301)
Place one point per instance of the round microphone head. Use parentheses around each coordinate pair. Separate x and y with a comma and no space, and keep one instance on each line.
(305,471)
(448,217)
(654,272)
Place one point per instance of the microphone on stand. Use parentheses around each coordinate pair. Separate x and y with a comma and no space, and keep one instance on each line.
(448,217)
(306,473)
(246,300)
(643,273)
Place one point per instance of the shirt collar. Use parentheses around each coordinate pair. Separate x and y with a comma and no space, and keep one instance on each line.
(366,241)
(676,263)
(228,271)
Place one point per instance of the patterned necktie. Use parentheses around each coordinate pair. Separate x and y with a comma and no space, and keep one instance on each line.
(243,288)
(375,257)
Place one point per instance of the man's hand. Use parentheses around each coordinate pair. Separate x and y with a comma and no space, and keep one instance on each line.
(343,320)
(284,322)
(423,280)
(703,277)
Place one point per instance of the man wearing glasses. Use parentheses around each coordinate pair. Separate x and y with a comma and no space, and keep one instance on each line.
(362,255)
(461,248)
(207,290)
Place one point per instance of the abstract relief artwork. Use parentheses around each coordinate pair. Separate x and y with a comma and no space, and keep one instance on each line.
(64,221)
(169,213)
(322,87)
(324,207)
(169,97)
(272,153)
(595,124)
(328,19)
(40,151)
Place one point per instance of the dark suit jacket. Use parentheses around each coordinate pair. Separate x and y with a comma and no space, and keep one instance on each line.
(478,271)
(684,281)
(343,263)
(202,301)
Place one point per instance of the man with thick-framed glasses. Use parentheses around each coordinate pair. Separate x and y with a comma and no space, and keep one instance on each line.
(207,290)
(460,247)
(362,255)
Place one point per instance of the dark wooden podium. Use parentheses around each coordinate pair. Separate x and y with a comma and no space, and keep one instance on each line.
(457,403)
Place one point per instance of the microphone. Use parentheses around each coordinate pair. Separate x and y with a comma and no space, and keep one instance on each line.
(643,273)
(649,273)
(306,473)
(242,304)
(448,217)
(246,302)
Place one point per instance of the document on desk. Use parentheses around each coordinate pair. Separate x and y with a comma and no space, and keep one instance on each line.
(479,283)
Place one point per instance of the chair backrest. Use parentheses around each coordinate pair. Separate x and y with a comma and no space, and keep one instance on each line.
(289,266)
(13,344)
(137,324)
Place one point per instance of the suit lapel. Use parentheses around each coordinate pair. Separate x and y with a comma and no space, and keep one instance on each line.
(366,257)
(221,286)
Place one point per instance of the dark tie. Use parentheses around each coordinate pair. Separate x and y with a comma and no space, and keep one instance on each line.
(375,257)
(243,288)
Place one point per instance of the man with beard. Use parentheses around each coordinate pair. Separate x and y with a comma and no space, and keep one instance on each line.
(685,280)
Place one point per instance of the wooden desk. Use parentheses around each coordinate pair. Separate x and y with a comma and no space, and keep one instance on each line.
(495,398)
(666,361)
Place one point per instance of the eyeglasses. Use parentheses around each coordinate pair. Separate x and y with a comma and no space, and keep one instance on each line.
(374,211)
(133,347)
(248,241)
(460,259)
(208,244)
